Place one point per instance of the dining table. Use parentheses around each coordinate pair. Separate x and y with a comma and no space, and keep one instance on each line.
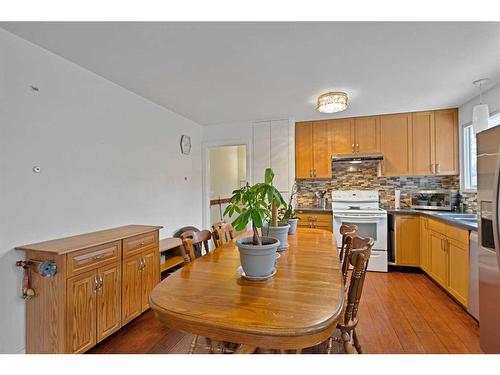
(298,307)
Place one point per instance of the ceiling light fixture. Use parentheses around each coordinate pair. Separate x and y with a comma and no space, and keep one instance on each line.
(480,112)
(332,102)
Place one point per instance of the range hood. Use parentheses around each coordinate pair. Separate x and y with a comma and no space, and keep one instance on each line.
(358,158)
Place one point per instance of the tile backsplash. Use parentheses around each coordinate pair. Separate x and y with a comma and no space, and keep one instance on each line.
(364,177)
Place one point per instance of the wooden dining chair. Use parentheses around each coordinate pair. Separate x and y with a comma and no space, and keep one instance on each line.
(195,241)
(222,233)
(358,257)
(345,230)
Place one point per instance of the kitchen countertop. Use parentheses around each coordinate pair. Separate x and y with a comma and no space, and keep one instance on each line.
(435,215)
(327,209)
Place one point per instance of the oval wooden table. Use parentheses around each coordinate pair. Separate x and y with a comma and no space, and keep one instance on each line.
(297,308)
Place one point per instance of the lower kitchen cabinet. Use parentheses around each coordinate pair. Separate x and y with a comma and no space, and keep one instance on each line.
(459,270)
(439,259)
(319,220)
(425,253)
(439,249)
(407,240)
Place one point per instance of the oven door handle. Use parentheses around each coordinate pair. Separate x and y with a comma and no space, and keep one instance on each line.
(361,218)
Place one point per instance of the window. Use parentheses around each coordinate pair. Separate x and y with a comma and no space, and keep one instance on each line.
(470,153)
(470,168)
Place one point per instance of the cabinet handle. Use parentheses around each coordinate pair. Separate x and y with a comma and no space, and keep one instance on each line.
(433,168)
(140,265)
(143,263)
(101,281)
(314,172)
(438,168)
(310,173)
(96,284)
(357,147)
(352,146)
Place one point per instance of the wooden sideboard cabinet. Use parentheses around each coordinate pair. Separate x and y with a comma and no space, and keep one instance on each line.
(103,281)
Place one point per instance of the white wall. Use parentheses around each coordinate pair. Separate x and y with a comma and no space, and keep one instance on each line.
(262,151)
(108,157)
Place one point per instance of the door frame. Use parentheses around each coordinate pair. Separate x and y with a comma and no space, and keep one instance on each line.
(206,146)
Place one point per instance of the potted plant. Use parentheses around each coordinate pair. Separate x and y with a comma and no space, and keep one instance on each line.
(276,227)
(287,213)
(422,200)
(436,200)
(254,204)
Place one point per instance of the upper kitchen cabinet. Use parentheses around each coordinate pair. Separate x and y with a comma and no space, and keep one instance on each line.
(423,150)
(434,142)
(367,134)
(342,136)
(446,141)
(355,135)
(312,150)
(395,144)
(322,154)
(303,150)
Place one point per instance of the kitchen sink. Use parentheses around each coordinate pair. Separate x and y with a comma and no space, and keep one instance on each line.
(453,215)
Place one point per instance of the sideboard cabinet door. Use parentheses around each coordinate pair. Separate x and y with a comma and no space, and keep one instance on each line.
(81,312)
(131,288)
(109,299)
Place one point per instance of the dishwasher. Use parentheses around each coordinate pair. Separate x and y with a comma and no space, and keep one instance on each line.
(473,304)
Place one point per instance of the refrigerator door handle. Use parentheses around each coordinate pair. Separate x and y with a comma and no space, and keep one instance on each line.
(496,191)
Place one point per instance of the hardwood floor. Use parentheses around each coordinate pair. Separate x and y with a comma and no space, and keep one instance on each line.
(400,312)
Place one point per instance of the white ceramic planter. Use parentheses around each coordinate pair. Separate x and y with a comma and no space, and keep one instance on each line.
(257,261)
(280,233)
(293,225)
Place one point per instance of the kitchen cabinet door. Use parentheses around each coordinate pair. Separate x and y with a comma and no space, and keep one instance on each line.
(109,316)
(446,141)
(150,276)
(439,259)
(423,149)
(131,288)
(322,156)
(395,144)
(458,271)
(342,136)
(407,240)
(261,149)
(303,150)
(425,254)
(367,134)
(81,312)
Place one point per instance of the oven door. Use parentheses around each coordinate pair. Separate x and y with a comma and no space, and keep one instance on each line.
(368,226)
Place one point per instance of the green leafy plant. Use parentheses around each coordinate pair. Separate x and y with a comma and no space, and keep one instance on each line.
(436,198)
(255,203)
(287,212)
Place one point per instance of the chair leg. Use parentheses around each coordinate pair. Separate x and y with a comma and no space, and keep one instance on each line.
(346,340)
(193,344)
(357,345)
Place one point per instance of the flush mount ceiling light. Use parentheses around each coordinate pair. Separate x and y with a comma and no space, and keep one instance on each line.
(480,112)
(332,102)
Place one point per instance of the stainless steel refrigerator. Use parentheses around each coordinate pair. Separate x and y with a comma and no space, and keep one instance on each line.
(488,159)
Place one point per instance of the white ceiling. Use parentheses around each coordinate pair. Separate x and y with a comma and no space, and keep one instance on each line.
(223,72)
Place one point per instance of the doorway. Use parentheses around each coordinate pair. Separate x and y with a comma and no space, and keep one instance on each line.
(228,172)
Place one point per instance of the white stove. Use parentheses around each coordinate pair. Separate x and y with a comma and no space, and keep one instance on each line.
(361,207)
